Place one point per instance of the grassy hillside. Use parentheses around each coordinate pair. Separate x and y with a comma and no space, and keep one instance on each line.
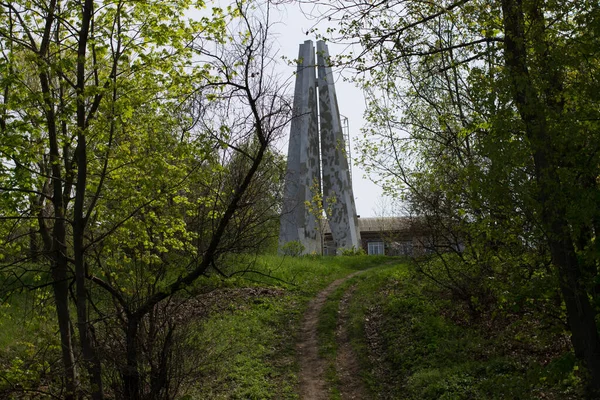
(236,337)
(417,342)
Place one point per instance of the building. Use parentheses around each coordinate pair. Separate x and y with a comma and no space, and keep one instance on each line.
(393,236)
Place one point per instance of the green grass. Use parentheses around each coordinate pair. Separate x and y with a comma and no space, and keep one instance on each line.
(328,318)
(253,345)
(308,274)
(326,335)
(424,353)
(248,351)
(244,349)
(28,341)
(409,336)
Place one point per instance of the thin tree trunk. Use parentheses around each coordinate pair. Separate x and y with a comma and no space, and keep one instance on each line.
(61,298)
(59,267)
(131,375)
(90,356)
(58,243)
(159,374)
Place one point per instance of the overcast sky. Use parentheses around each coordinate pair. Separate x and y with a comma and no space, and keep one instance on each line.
(290,30)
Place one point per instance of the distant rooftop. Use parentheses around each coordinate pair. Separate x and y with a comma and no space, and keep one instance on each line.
(383,224)
(380,224)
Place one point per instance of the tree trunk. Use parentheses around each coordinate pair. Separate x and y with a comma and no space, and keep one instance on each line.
(580,313)
(34,249)
(60,285)
(61,298)
(57,245)
(58,248)
(131,376)
(159,374)
(90,356)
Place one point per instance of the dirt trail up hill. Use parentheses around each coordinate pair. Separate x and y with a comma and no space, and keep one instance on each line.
(313,384)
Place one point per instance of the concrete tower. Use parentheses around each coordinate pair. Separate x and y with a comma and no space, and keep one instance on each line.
(338,197)
(303,177)
(303,166)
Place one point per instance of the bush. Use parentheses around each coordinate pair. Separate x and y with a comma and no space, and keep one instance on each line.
(354,251)
(293,248)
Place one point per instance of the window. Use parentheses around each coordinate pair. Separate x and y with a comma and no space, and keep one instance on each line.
(375,248)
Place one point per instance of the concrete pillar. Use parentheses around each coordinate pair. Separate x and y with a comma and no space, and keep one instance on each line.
(337,186)
(303,167)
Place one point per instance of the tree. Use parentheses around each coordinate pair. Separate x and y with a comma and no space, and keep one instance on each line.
(254,228)
(247,113)
(486,113)
(102,148)
(320,207)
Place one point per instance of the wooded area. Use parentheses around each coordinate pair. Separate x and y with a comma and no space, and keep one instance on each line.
(136,152)
(483,115)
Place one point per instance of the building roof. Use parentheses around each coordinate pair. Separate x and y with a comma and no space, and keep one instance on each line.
(380,224)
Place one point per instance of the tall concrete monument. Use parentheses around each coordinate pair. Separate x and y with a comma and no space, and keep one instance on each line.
(338,197)
(303,178)
(303,166)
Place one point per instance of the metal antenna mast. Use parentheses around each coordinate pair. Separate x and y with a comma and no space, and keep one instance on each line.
(346,133)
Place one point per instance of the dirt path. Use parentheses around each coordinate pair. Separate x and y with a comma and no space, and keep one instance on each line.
(313,385)
(348,368)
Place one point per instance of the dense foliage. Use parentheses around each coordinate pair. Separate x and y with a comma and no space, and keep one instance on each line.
(483,116)
(135,151)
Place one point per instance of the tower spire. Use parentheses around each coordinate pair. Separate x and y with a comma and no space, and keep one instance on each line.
(303,174)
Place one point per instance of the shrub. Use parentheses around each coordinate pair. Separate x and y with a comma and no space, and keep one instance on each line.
(354,251)
(293,248)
